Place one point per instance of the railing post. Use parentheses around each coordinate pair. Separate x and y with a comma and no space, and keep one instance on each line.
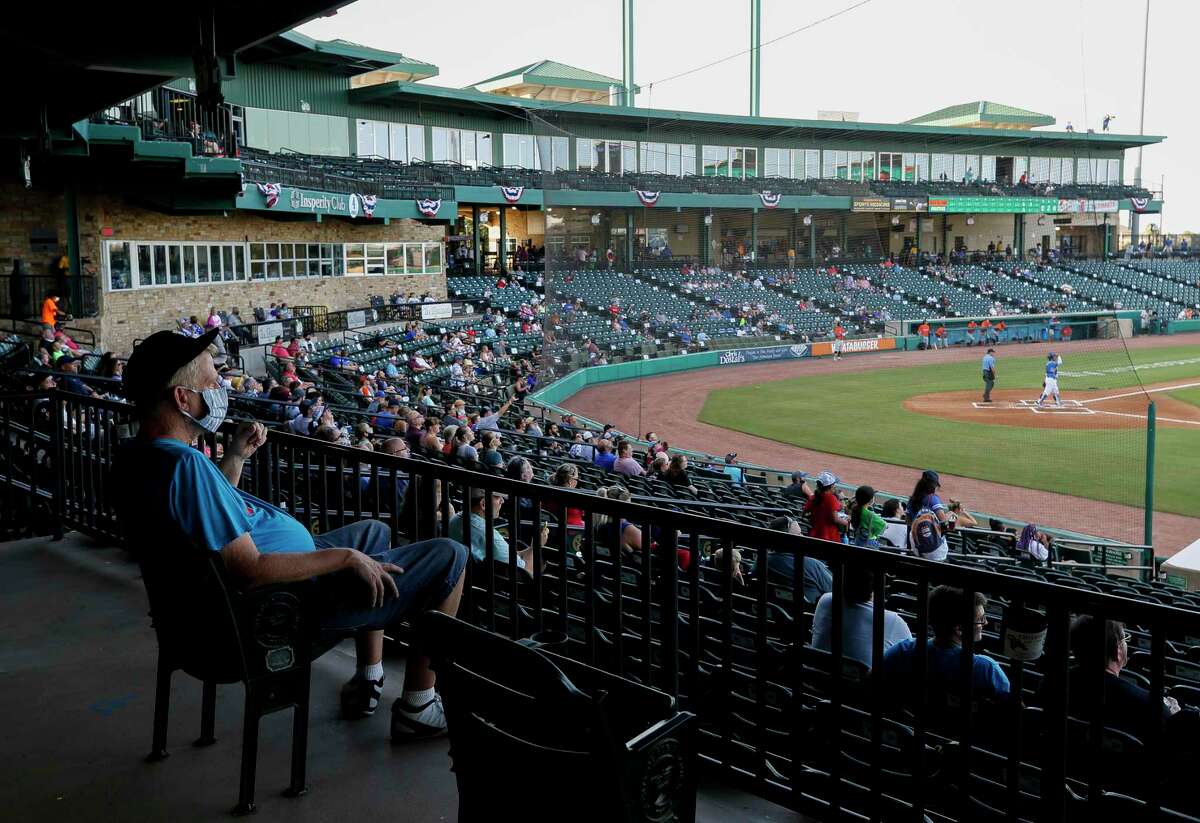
(56,439)
(1148,526)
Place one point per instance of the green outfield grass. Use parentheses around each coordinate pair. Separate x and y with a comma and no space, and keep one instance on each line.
(1188,395)
(861,414)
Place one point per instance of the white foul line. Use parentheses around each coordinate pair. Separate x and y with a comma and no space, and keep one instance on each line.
(1143,417)
(1141,391)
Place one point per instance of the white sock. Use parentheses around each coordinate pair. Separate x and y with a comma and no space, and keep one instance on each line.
(372,672)
(418,697)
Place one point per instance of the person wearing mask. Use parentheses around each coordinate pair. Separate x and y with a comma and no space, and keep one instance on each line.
(824,510)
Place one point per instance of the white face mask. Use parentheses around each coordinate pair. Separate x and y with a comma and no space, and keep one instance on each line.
(217,401)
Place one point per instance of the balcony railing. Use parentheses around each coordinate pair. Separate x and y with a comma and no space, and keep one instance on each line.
(170,114)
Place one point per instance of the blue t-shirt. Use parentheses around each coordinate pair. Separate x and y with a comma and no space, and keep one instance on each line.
(171,488)
(944,667)
(1052,369)
(989,363)
(605,460)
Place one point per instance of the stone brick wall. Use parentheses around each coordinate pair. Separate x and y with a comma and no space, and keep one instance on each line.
(127,315)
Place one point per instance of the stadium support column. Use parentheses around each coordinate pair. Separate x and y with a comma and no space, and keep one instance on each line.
(502,250)
(1018,221)
(1148,530)
(629,245)
(845,234)
(755,59)
(917,254)
(627,85)
(74,284)
(812,240)
(793,241)
(754,236)
(476,260)
(705,238)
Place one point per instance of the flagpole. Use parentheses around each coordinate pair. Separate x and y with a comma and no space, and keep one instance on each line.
(1135,218)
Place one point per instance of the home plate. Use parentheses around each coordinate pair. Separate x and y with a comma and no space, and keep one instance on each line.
(1067,407)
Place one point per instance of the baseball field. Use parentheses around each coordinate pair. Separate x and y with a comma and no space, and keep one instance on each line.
(921,416)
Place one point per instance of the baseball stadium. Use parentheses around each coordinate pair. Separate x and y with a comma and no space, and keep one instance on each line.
(865,454)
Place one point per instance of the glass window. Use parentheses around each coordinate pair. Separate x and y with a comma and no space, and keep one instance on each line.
(120,266)
(868,165)
(355,260)
(772,159)
(988,169)
(715,160)
(416,260)
(468,148)
(750,162)
(214,255)
(1039,170)
(433,257)
(942,167)
(416,142)
(145,267)
(441,144)
(365,145)
(376,259)
(583,153)
(629,157)
(227,259)
(398,145)
(189,264)
(687,159)
(1081,174)
(1114,172)
(381,139)
(395,258)
(922,167)
(960,167)
(160,265)
(614,158)
(483,148)
(287,268)
(257,270)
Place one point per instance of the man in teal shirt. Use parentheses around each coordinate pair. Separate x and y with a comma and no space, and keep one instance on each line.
(176,499)
(989,374)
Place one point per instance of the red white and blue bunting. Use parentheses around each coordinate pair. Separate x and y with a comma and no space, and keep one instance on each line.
(512,193)
(770,199)
(1139,204)
(648,198)
(270,193)
(368,204)
(429,207)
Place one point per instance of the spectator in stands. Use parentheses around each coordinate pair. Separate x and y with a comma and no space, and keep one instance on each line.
(733,470)
(896,534)
(50,312)
(928,518)
(478,537)
(858,615)
(947,608)
(866,527)
(519,468)
(463,448)
(610,532)
(565,476)
(491,457)
(431,441)
(69,380)
(303,422)
(583,448)
(604,454)
(214,320)
(824,510)
(490,420)
(798,487)
(280,351)
(782,565)
(111,366)
(625,464)
(677,474)
(175,490)
(658,468)
(1034,543)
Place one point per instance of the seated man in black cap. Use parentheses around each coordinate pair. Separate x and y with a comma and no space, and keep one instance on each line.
(365,585)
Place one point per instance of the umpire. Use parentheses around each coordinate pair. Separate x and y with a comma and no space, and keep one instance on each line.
(989,374)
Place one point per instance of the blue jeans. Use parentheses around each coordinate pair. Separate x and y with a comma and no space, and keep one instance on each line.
(431,570)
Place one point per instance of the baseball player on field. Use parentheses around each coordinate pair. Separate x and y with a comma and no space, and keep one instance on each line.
(1050,386)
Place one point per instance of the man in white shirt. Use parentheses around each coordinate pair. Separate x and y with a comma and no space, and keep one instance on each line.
(858,615)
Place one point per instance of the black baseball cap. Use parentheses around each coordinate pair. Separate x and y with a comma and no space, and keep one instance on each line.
(991,351)
(156,359)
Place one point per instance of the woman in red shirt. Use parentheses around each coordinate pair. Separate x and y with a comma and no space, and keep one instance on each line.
(824,510)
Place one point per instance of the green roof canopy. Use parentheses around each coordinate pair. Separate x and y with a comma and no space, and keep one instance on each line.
(340,56)
(549,73)
(983,113)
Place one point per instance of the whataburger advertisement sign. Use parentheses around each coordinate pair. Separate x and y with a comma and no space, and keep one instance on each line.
(865,344)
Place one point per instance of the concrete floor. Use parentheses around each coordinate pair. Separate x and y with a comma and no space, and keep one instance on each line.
(77,673)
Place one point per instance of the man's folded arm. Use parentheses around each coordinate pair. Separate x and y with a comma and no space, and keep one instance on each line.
(244,560)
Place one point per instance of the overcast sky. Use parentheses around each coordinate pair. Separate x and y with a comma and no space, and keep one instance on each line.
(889,60)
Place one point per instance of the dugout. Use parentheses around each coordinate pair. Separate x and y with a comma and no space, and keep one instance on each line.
(1025,328)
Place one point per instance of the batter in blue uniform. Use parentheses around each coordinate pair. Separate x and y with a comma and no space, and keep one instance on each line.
(1050,386)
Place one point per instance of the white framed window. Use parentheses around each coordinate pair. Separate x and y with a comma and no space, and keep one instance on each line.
(675,159)
(740,162)
(611,156)
(469,148)
(403,142)
(137,264)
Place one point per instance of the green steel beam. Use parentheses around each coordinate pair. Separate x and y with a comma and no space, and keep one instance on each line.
(627,45)
(755,56)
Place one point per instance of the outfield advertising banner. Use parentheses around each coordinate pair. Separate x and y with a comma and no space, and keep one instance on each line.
(1087,206)
(736,357)
(848,346)
(888,204)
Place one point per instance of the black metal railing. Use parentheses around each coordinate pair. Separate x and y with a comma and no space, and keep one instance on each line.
(165,113)
(817,731)
(21,296)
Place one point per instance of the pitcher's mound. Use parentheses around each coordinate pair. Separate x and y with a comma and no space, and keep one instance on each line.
(1108,409)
